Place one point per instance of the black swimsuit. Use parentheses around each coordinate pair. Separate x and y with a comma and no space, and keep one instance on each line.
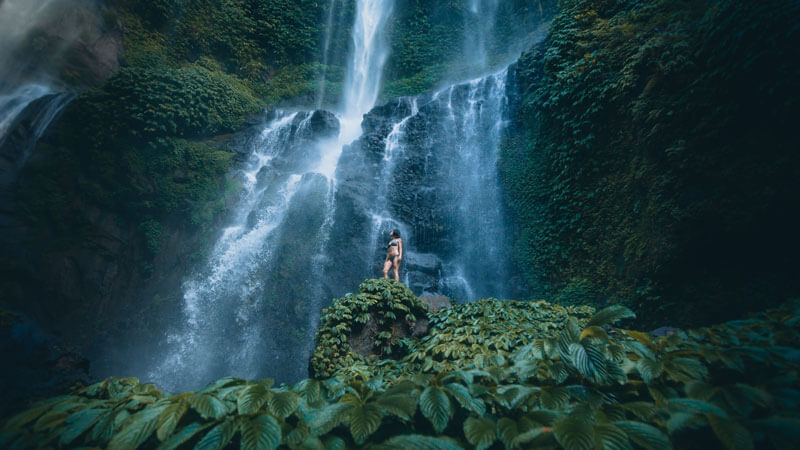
(392,243)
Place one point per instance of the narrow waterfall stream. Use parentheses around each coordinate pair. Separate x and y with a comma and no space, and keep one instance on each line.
(256,302)
(320,193)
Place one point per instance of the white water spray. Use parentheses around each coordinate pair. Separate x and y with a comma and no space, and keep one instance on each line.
(235,316)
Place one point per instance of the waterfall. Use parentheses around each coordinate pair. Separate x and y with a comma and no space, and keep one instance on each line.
(260,292)
(29,98)
(478,32)
(427,166)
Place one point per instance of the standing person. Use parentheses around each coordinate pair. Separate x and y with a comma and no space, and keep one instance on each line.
(394,254)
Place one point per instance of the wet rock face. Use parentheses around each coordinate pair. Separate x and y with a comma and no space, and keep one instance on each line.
(35,364)
(426,166)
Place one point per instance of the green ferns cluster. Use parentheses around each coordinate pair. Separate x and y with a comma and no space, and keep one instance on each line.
(486,332)
(390,307)
(589,386)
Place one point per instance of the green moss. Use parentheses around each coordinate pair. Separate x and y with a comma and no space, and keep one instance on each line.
(648,158)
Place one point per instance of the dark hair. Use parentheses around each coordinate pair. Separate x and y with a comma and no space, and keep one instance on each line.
(395,233)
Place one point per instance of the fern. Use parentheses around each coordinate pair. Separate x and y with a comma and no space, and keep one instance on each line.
(610,315)
(78,423)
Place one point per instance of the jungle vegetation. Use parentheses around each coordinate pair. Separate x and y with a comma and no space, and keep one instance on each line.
(568,378)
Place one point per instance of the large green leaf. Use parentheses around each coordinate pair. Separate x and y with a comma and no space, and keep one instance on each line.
(465,399)
(697,406)
(283,403)
(364,420)
(170,417)
(323,420)
(79,422)
(50,420)
(649,369)
(480,432)
(610,315)
(507,430)
(418,442)
(219,436)
(209,406)
(401,405)
(252,398)
(609,437)
(20,420)
(435,405)
(644,435)
(138,429)
(183,435)
(262,432)
(573,434)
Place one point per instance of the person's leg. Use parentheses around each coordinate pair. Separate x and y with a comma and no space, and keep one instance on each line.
(396,269)
(386,266)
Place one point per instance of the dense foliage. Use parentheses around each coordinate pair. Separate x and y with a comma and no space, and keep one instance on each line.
(582,387)
(427,40)
(651,162)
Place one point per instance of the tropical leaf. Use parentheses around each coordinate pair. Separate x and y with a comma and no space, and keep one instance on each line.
(573,434)
(508,431)
(733,435)
(400,405)
(138,429)
(649,369)
(418,442)
(20,420)
(183,435)
(323,420)
(465,399)
(334,443)
(480,432)
(364,420)
(679,420)
(261,432)
(79,422)
(282,404)
(208,406)
(435,405)
(644,435)
(697,406)
(609,437)
(50,420)
(169,418)
(252,398)
(219,436)
(593,332)
(610,315)
(642,410)
(310,390)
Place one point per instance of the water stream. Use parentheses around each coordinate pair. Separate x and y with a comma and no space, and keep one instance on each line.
(255,303)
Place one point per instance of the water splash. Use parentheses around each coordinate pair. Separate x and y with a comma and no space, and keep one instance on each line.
(262,283)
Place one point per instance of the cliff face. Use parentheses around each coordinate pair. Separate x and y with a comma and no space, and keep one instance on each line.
(651,159)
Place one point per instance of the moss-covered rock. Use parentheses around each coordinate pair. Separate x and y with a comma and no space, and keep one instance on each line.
(361,327)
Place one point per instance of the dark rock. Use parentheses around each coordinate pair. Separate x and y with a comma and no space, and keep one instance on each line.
(35,364)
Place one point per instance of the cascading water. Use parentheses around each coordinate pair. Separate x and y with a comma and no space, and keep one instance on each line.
(433,176)
(478,31)
(29,98)
(253,308)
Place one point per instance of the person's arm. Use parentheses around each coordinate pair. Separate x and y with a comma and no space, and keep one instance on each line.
(400,249)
